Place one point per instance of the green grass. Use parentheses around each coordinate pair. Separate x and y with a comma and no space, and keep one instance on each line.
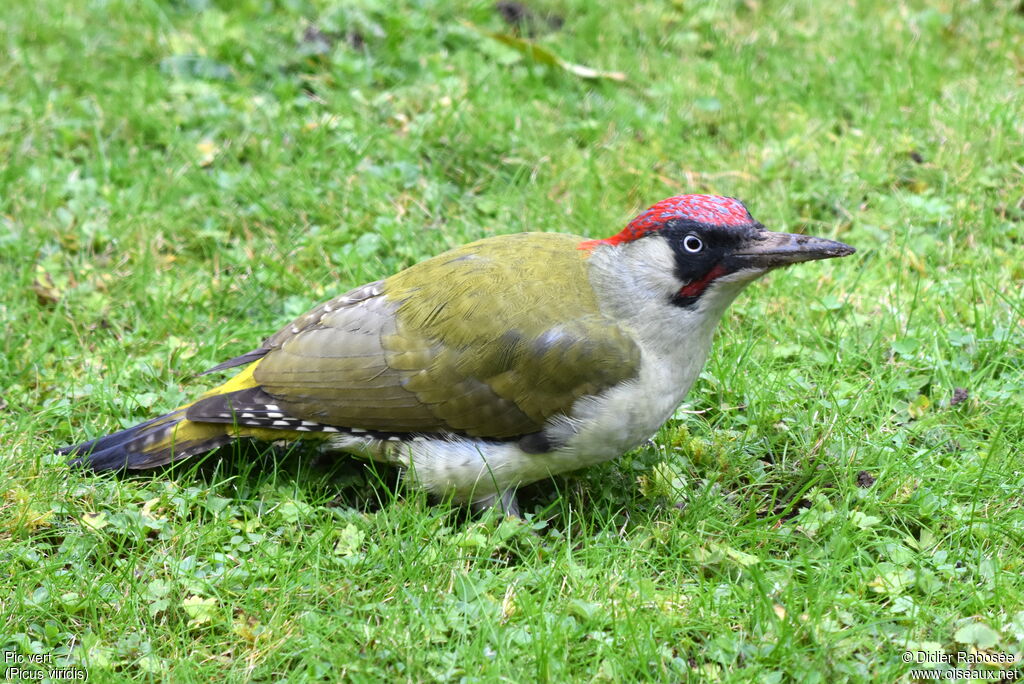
(179,178)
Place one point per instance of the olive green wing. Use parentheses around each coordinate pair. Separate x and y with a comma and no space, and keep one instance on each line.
(471,341)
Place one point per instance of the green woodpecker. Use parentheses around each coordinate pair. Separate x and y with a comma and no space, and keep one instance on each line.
(495,364)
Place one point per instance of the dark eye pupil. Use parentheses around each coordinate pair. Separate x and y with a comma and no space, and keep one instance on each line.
(692,244)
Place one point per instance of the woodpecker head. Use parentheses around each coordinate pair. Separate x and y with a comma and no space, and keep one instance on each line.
(699,251)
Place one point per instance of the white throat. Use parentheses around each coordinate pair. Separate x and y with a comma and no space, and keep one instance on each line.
(635,283)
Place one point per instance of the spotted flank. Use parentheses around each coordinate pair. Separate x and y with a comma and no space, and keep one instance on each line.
(254,408)
(250,407)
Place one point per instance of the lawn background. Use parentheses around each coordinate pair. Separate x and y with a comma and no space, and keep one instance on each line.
(180,178)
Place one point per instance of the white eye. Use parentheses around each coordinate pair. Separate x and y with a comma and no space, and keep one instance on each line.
(692,244)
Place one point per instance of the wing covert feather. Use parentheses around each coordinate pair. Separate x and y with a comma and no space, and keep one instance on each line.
(429,350)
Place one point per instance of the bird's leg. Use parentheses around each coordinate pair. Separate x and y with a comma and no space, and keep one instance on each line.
(506,500)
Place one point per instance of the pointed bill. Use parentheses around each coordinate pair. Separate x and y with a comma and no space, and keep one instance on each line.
(766,249)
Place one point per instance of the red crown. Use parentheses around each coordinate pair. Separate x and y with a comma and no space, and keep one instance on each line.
(708,209)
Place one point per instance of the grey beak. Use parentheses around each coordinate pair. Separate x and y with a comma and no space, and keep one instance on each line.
(771,250)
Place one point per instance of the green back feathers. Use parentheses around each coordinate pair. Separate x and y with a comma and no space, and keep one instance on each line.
(490,339)
(513,324)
